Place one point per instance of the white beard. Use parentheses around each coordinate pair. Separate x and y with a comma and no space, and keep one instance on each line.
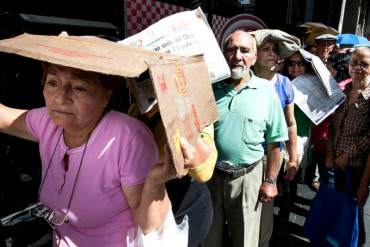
(238,73)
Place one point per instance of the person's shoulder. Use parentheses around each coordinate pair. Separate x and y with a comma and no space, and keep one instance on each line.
(262,83)
(38,111)
(116,120)
(283,78)
(38,115)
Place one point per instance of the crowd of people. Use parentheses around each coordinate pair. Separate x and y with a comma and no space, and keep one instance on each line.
(104,173)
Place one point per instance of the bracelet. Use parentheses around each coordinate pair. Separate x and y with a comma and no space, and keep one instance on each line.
(270,181)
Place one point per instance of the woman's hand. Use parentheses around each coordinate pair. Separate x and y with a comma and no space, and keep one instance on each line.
(341,161)
(195,155)
(164,170)
(329,161)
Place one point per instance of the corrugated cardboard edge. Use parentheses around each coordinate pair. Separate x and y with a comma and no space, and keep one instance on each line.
(191,59)
(134,57)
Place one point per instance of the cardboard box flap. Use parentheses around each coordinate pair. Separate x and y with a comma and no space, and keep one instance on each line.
(83,52)
(185,100)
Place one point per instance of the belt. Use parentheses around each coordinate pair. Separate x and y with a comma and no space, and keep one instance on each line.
(225,168)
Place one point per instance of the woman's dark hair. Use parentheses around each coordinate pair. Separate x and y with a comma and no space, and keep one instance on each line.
(109,82)
(340,62)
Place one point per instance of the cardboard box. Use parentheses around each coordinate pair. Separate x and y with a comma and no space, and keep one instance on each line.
(182,85)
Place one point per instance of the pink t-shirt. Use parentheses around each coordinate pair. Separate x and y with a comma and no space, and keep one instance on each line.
(120,152)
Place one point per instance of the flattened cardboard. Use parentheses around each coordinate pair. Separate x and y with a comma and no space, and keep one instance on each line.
(182,85)
(83,52)
(185,99)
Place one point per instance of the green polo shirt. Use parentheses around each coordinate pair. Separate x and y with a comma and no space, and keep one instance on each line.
(247,118)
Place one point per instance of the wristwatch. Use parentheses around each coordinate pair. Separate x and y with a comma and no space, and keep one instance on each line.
(270,181)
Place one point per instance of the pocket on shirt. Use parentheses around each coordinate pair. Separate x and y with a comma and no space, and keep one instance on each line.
(253,131)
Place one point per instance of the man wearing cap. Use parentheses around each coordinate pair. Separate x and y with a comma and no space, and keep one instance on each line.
(250,114)
(325,44)
(273,45)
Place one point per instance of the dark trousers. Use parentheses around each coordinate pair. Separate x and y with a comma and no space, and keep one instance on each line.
(361,228)
(318,162)
(197,205)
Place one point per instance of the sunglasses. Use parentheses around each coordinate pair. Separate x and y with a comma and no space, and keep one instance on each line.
(294,63)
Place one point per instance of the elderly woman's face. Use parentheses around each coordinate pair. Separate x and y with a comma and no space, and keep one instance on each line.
(359,64)
(75,99)
(267,55)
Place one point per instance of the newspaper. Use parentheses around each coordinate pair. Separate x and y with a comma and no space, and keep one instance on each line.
(142,88)
(311,96)
(186,33)
(321,71)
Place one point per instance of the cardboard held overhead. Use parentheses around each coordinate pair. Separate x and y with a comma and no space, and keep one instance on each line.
(83,52)
(181,85)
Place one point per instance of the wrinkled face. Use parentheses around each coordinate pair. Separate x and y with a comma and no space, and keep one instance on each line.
(267,55)
(75,99)
(240,54)
(359,65)
(312,50)
(296,65)
(323,48)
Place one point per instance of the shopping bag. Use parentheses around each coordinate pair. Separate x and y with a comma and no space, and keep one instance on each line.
(170,234)
(333,219)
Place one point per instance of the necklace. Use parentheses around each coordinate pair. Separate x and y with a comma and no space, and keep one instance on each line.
(78,171)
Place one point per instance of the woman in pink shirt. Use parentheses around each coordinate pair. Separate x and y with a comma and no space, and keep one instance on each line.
(100,170)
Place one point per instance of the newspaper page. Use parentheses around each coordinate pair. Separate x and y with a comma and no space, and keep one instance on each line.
(311,97)
(142,88)
(321,71)
(186,33)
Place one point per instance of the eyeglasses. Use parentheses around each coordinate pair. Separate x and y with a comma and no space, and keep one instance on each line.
(362,64)
(53,217)
(294,63)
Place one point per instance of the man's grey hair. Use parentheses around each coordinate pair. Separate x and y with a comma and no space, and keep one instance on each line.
(227,40)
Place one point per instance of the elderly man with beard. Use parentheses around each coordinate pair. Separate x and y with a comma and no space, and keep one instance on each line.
(250,114)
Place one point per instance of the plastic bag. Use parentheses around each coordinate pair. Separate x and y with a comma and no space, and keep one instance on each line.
(168,234)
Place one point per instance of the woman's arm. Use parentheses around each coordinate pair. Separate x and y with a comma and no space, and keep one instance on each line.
(149,203)
(13,122)
(201,162)
(291,144)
